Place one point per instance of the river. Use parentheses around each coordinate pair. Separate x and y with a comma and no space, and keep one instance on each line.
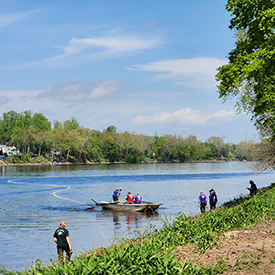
(34,199)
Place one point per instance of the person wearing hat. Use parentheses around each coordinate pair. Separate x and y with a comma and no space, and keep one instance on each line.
(253,188)
(116,194)
(202,202)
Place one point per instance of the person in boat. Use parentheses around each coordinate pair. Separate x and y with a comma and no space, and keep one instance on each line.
(253,188)
(202,202)
(129,197)
(61,238)
(116,194)
(213,199)
(138,198)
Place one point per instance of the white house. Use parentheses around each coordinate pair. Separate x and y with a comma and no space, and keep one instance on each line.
(10,150)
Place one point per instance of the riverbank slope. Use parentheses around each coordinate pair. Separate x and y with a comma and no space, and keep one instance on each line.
(237,238)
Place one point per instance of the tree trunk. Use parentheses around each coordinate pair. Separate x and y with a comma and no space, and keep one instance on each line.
(39,151)
(68,154)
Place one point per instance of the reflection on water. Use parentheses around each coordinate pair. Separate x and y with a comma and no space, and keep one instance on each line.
(116,220)
(30,211)
(126,224)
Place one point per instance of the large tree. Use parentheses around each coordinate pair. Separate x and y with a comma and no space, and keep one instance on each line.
(250,72)
(218,142)
(7,124)
(41,122)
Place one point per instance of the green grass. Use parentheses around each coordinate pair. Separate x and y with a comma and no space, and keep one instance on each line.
(155,253)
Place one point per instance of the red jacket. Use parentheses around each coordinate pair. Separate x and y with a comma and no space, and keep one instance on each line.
(130,198)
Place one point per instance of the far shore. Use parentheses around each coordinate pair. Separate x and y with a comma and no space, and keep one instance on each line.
(56,163)
(64,163)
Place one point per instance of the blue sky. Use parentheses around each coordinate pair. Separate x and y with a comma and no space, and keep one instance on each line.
(143,66)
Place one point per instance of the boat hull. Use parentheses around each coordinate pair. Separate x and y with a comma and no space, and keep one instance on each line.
(134,207)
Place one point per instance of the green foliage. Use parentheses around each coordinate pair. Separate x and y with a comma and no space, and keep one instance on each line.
(24,120)
(14,159)
(111,129)
(71,124)
(25,158)
(133,157)
(7,124)
(41,122)
(32,134)
(250,73)
(201,231)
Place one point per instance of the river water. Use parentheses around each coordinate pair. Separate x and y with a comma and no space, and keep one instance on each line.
(33,201)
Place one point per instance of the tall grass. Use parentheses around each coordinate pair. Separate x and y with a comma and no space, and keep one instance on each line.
(155,253)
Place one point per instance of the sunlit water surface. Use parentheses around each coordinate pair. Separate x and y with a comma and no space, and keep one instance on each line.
(33,201)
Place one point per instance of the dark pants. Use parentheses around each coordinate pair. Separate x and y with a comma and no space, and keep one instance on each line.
(203,204)
(60,253)
(115,198)
(213,205)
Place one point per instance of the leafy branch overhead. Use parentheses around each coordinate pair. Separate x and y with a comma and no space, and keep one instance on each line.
(250,73)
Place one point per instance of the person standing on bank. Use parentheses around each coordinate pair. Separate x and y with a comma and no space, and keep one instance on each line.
(210,198)
(253,188)
(202,202)
(116,194)
(213,199)
(61,237)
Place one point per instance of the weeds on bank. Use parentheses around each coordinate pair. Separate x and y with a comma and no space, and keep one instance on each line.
(203,230)
(155,253)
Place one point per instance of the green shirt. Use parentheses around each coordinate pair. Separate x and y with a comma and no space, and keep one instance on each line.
(61,234)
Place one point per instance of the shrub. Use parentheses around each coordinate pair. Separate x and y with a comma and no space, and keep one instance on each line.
(25,158)
(14,159)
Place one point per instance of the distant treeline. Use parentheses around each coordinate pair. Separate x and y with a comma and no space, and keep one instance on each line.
(34,134)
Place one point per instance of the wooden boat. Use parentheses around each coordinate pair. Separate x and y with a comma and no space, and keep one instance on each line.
(130,207)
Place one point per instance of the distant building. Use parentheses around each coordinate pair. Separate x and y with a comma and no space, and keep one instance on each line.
(9,149)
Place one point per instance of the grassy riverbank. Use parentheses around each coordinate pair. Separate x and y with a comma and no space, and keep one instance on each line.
(190,244)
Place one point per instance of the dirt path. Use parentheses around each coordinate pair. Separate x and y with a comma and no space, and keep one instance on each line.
(244,251)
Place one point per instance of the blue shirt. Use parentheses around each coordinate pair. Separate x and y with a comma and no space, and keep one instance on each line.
(116,192)
(138,199)
(202,198)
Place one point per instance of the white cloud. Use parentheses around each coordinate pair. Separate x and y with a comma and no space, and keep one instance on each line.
(63,90)
(110,44)
(187,116)
(195,72)
(12,18)
(3,100)
(8,19)
(88,49)
(77,91)
(106,89)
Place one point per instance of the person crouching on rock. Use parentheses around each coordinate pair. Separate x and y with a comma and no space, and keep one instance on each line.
(253,188)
